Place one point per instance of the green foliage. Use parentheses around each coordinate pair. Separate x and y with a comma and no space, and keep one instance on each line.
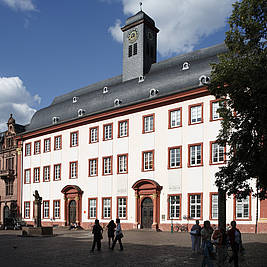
(240,80)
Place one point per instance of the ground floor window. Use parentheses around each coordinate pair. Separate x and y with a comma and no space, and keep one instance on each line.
(122,207)
(27,209)
(46,209)
(195,206)
(214,206)
(242,208)
(56,209)
(106,208)
(92,208)
(174,206)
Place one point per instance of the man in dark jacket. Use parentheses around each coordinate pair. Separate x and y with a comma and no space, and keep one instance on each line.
(235,242)
(97,232)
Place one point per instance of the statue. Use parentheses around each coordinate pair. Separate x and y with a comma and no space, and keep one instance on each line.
(37,209)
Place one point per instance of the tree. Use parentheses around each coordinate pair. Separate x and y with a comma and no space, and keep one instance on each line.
(240,81)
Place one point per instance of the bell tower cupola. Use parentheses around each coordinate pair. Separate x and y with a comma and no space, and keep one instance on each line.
(139,46)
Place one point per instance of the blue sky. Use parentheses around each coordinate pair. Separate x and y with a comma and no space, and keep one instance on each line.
(50,47)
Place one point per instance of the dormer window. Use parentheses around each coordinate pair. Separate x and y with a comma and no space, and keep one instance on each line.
(105,90)
(81,112)
(55,120)
(153,92)
(186,66)
(117,102)
(141,79)
(74,99)
(204,80)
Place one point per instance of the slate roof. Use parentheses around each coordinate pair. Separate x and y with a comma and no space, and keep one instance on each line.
(166,76)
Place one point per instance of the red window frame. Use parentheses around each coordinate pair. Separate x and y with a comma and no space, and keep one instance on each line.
(54,172)
(91,128)
(189,110)
(117,200)
(153,160)
(30,144)
(49,144)
(89,170)
(224,156)
(55,218)
(188,207)
(71,133)
(92,198)
(189,158)
(34,149)
(48,209)
(118,163)
(212,194)
(103,208)
(169,123)
(211,109)
(29,209)
(168,203)
(34,175)
(145,116)
(249,217)
(111,165)
(60,142)
(119,122)
(111,123)
(71,162)
(48,166)
(25,176)
(169,158)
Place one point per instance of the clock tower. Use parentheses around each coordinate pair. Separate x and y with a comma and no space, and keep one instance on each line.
(139,46)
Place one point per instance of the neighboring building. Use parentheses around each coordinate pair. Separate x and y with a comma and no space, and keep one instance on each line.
(8,170)
(140,146)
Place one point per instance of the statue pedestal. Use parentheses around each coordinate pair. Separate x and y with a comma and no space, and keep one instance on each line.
(37,231)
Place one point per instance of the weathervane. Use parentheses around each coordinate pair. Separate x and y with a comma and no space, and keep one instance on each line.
(141,6)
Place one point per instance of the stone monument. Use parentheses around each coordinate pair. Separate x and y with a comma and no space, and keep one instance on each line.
(37,209)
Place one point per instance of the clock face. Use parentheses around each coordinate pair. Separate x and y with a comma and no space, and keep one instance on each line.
(132,36)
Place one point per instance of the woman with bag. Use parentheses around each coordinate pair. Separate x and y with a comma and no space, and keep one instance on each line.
(111,229)
(97,232)
(118,236)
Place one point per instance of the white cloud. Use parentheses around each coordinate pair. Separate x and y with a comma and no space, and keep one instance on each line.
(23,5)
(182,23)
(17,100)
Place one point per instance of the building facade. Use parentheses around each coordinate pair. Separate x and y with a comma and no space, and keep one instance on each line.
(8,170)
(140,146)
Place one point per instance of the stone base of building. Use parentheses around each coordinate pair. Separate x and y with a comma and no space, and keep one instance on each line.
(37,231)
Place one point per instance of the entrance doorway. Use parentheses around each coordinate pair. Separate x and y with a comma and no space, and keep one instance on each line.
(147,213)
(72,212)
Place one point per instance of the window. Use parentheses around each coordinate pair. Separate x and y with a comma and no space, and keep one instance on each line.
(92,208)
(57,172)
(9,188)
(93,135)
(122,161)
(214,206)
(135,49)
(174,207)
(46,209)
(47,145)
(46,173)
(93,167)
(107,165)
(195,155)
(122,207)
(148,160)
(130,50)
(74,139)
(148,123)
(57,143)
(10,163)
(217,153)
(196,114)
(37,147)
(195,202)
(56,209)
(27,209)
(36,175)
(214,106)
(175,157)
(123,128)
(175,118)
(242,209)
(28,149)
(107,132)
(106,204)
(73,169)
(27,176)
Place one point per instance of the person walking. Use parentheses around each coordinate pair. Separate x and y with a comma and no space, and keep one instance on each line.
(235,242)
(118,236)
(111,229)
(97,232)
(195,237)
(207,246)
